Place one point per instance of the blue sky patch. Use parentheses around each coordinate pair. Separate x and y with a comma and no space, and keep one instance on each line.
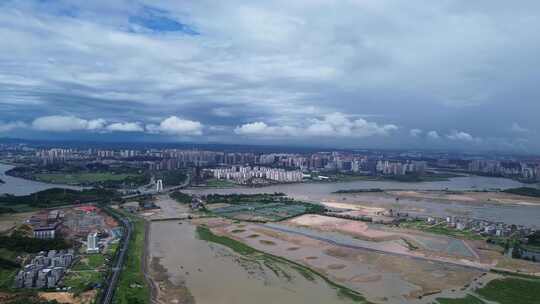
(159,21)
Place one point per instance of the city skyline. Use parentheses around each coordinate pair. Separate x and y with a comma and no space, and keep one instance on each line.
(356,74)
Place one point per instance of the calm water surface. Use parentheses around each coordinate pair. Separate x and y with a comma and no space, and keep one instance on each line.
(19,186)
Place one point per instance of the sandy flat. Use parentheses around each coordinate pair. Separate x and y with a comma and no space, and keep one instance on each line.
(366,209)
(326,223)
(375,275)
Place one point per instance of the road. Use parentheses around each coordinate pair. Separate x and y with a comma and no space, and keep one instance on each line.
(153,191)
(119,262)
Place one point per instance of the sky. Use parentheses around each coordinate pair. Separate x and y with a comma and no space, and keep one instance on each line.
(422,74)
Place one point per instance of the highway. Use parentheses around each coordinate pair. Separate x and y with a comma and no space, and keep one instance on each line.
(108,293)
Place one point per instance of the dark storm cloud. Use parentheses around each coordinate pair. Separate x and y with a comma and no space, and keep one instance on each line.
(353,73)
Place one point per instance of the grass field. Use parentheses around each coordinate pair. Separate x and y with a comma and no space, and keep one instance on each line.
(82,280)
(80,178)
(7,274)
(262,211)
(509,290)
(441,229)
(219,183)
(132,288)
(87,272)
(512,291)
(469,299)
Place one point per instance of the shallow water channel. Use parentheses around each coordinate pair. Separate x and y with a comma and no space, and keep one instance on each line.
(213,273)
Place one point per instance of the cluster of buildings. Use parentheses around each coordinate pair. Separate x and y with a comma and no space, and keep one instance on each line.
(246,174)
(482,227)
(513,169)
(46,224)
(45,270)
(401,168)
(363,162)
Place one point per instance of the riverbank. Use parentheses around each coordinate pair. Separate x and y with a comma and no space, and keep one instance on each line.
(19,186)
(132,286)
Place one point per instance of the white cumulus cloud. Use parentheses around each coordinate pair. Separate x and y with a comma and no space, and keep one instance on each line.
(176,126)
(10,126)
(125,127)
(58,123)
(461,136)
(433,135)
(415,132)
(331,125)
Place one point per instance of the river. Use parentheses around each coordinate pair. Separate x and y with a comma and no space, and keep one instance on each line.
(212,273)
(320,192)
(19,186)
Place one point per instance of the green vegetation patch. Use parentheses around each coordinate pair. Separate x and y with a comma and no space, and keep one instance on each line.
(525,191)
(84,175)
(440,229)
(512,290)
(7,277)
(8,268)
(273,262)
(32,245)
(182,198)
(261,207)
(132,288)
(81,178)
(171,177)
(408,178)
(219,183)
(83,280)
(469,299)
(56,197)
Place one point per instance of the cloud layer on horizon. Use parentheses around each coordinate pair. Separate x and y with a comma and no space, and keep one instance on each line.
(393,74)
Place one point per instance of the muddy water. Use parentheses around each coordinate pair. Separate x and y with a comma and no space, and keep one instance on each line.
(214,274)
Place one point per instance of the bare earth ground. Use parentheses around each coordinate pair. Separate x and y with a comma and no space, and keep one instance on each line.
(427,244)
(66,297)
(356,228)
(366,210)
(9,221)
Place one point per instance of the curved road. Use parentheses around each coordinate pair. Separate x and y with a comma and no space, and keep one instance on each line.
(118,263)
